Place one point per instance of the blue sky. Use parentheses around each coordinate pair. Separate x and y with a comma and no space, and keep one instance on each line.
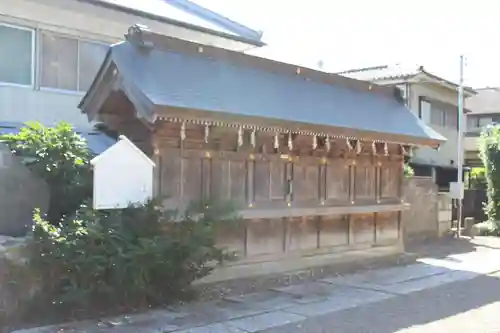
(359,33)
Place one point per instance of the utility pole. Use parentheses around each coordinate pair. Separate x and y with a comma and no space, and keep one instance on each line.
(460,146)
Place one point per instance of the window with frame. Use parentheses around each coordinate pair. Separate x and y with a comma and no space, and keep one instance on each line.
(16,55)
(472,123)
(68,63)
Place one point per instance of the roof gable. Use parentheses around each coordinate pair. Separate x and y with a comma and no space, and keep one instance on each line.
(122,144)
(401,73)
(187,14)
(188,76)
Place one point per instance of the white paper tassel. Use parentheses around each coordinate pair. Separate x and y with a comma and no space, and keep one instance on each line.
(358,147)
(386,149)
(206,133)
(276,142)
(240,137)
(327,143)
(349,145)
(252,138)
(374,148)
(183,131)
(315,142)
(403,150)
(290,142)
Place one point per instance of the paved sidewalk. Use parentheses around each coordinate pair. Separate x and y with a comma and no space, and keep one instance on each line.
(296,304)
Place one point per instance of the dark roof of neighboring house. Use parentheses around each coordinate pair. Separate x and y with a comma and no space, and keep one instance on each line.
(97,142)
(187,14)
(187,76)
(396,72)
(486,101)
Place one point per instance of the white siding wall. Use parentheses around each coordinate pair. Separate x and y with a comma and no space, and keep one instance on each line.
(448,151)
(79,20)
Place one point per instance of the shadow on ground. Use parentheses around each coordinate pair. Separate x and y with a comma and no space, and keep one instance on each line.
(446,305)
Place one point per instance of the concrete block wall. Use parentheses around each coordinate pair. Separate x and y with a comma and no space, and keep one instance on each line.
(421,221)
(21,192)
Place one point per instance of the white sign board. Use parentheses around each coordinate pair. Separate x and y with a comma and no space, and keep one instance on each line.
(456,190)
(123,175)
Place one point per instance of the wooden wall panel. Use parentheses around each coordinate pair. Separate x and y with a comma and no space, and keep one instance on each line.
(232,238)
(192,179)
(306,181)
(365,182)
(262,181)
(363,226)
(170,177)
(278,179)
(238,181)
(333,231)
(390,180)
(301,233)
(220,181)
(387,227)
(265,236)
(337,181)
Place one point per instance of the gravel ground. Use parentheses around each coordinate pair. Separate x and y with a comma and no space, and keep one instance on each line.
(471,306)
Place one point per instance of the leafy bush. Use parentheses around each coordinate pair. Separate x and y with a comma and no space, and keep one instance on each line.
(486,228)
(127,259)
(478,178)
(489,151)
(408,171)
(60,157)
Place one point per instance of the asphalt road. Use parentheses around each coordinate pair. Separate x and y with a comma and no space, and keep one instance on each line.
(471,306)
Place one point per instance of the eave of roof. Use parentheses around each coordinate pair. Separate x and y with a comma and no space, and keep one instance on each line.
(238,38)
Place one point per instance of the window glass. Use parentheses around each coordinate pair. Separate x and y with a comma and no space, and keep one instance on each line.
(472,123)
(425,108)
(59,61)
(16,55)
(91,56)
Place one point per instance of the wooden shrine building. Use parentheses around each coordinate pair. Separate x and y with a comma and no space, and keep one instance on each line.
(315,159)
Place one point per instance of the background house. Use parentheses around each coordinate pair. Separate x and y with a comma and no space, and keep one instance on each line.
(484,110)
(434,100)
(52,49)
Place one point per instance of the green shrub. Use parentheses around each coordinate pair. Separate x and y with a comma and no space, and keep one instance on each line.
(408,171)
(486,228)
(60,157)
(127,259)
(478,178)
(490,155)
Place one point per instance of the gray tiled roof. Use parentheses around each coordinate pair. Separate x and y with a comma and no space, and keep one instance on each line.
(197,82)
(183,12)
(384,72)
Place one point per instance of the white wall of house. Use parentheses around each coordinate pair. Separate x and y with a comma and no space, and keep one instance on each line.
(448,128)
(51,50)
